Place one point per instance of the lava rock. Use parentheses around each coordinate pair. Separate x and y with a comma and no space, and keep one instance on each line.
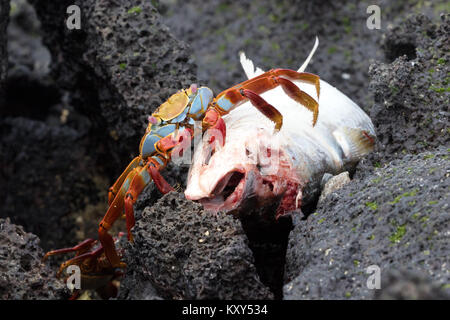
(280,34)
(28,57)
(57,163)
(22,274)
(186,253)
(411,94)
(53,183)
(407,285)
(396,218)
(47,181)
(119,67)
(4,19)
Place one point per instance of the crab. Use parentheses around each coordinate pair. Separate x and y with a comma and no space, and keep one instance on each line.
(169,126)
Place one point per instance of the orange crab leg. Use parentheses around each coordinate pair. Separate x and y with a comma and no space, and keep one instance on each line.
(140,181)
(161,183)
(300,96)
(299,76)
(135,182)
(114,212)
(231,98)
(133,185)
(290,74)
(116,186)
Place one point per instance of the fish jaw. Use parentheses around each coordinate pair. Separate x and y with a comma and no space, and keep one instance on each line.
(235,173)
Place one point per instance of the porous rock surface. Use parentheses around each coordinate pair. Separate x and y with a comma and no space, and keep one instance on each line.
(4,18)
(124,62)
(65,141)
(120,66)
(396,218)
(401,284)
(394,213)
(186,253)
(22,273)
(411,92)
(280,34)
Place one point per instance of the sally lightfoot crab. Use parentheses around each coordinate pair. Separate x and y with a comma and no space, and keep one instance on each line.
(169,126)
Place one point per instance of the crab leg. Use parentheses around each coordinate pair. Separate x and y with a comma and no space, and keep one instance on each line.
(304,77)
(251,90)
(301,97)
(140,181)
(133,185)
(81,247)
(114,211)
(116,186)
(231,98)
(82,257)
(214,123)
(262,105)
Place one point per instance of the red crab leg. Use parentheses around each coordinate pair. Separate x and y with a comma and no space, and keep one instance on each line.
(75,261)
(231,98)
(81,247)
(133,185)
(264,107)
(301,97)
(114,211)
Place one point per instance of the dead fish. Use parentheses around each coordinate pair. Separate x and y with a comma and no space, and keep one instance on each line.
(260,165)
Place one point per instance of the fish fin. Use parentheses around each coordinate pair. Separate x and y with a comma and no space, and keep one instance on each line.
(251,71)
(355,142)
(305,64)
(249,67)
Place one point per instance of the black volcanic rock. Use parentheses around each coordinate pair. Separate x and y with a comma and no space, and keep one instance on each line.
(119,67)
(4,19)
(397,218)
(411,93)
(22,274)
(186,253)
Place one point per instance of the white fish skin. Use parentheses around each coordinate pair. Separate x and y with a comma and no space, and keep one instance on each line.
(300,153)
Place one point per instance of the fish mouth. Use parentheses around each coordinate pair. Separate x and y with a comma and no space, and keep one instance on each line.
(228,193)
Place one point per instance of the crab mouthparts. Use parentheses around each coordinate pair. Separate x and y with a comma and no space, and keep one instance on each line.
(227,194)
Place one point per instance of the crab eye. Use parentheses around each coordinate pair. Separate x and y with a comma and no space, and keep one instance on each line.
(193,88)
(153,120)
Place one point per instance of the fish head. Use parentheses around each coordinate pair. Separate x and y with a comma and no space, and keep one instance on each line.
(252,166)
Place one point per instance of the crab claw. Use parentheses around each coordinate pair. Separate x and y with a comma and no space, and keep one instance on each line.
(216,128)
